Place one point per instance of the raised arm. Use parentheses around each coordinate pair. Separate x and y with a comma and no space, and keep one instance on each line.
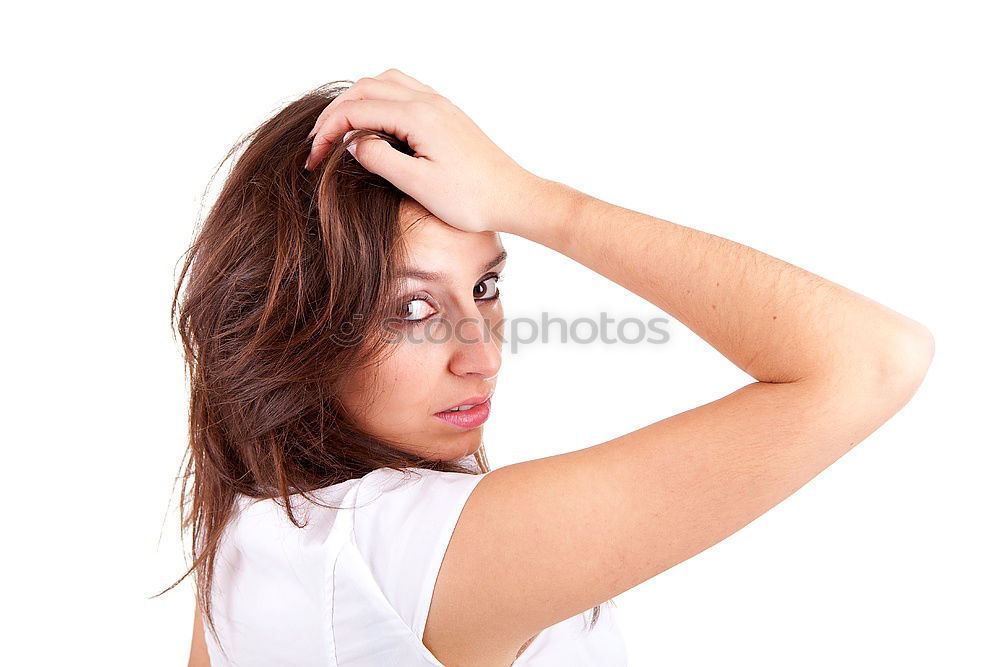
(540,541)
(776,321)
(561,534)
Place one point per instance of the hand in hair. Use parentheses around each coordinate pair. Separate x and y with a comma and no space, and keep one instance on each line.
(455,171)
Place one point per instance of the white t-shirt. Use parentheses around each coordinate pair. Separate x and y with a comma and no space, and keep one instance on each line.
(354,586)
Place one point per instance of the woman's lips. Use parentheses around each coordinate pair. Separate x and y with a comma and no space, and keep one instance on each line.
(466,419)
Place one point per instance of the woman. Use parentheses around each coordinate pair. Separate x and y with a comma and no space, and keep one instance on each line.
(339,321)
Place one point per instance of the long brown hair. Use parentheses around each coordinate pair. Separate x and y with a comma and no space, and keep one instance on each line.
(289,281)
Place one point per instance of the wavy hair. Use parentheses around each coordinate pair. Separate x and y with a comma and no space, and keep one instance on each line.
(282,294)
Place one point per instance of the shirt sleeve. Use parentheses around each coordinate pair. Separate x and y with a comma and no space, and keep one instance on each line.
(403,524)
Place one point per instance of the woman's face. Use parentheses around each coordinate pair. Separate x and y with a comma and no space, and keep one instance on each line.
(447,350)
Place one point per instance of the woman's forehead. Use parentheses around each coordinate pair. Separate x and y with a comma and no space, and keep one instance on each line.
(433,246)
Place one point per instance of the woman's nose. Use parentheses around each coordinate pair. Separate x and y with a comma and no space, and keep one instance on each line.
(476,346)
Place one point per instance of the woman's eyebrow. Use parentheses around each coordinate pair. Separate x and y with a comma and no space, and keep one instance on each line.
(434,276)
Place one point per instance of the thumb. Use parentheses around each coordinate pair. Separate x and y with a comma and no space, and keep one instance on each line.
(379,157)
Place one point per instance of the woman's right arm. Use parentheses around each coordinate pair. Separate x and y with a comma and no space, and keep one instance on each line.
(775,321)
(540,541)
(559,535)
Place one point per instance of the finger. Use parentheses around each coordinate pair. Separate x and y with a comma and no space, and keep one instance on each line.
(365,88)
(394,74)
(389,116)
(391,75)
(341,96)
(379,157)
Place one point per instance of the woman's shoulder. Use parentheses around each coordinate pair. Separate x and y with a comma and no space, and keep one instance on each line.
(408,481)
(388,495)
(314,512)
(383,490)
(400,529)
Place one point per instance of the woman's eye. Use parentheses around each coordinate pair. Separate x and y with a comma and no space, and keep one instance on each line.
(416,310)
(487,288)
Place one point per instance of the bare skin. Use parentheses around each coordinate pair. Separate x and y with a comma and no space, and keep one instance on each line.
(565,533)
(199,650)
(429,371)
(449,353)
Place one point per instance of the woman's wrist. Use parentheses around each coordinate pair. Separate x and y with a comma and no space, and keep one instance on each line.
(543,213)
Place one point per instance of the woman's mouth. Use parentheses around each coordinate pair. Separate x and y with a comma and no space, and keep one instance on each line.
(466,418)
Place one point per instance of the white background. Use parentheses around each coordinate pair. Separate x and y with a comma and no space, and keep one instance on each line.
(858,140)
